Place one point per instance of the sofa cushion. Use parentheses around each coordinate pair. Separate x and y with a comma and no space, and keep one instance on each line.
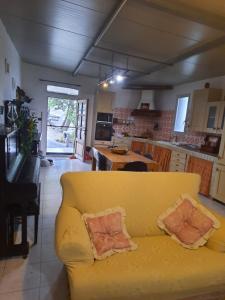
(159,270)
(108,233)
(188,222)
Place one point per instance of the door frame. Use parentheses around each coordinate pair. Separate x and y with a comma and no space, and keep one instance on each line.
(61,97)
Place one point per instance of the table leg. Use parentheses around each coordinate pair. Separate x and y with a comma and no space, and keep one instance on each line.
(94,163)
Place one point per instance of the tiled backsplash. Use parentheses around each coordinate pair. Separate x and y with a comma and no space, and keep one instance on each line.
(163,127)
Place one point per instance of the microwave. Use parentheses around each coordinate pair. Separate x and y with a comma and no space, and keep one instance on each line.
(104,117)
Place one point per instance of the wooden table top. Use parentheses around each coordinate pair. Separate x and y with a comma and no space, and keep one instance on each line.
(126,158)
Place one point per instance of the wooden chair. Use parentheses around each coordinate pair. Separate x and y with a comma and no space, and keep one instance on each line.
(135,166)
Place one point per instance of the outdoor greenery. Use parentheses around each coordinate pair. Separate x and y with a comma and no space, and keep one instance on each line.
(67,106)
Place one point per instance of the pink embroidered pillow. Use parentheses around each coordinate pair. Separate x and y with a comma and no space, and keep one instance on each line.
(188,222)
(108,232)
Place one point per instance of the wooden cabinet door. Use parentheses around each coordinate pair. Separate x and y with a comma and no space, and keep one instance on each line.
(138,147)
(221,158)
(221,119)
(204,169)
(198,110)
(219,184)
(212,117)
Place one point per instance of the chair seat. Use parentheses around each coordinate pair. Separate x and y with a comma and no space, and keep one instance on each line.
(159,269)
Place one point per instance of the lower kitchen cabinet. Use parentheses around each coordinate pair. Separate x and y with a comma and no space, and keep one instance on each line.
(138,147)
(204,169)
(162,157)
(178,162)
(219,183)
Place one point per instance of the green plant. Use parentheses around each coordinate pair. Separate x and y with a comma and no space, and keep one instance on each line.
(27,126)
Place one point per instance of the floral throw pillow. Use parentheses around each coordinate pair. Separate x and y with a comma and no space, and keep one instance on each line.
(108,233)
(188,222)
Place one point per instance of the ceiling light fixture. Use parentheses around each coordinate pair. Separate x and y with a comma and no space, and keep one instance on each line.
(112,81)
(105,85)
(119,78)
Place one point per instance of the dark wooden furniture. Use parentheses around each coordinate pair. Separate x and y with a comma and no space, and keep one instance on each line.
(117,161)
(19,193)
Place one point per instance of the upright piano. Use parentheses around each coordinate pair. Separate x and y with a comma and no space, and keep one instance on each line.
(19,193)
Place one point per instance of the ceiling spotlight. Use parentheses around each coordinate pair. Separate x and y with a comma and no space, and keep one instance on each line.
(105,85)
(119,78)
(112,81)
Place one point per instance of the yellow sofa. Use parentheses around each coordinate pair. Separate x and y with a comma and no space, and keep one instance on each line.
(159,268)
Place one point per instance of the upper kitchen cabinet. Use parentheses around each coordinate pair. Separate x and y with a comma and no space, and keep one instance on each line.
(104,101)
(200,110)
(221,157)
(215,115)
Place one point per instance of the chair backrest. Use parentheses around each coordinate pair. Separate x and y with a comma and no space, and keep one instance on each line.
(135,166)
(143,195)
(102,164)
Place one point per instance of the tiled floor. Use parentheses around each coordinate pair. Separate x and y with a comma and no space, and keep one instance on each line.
(41,276)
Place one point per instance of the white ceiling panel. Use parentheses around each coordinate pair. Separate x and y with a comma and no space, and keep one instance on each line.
(58,33)
(140,13)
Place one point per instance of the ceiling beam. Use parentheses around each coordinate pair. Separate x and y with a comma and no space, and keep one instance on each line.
(189,12)
(195,50)
(147,87)
(109,21)
(113,66)
(132,55)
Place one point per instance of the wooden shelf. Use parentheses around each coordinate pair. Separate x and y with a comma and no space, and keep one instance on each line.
(146,113)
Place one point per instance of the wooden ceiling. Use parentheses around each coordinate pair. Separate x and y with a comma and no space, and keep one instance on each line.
(178,40)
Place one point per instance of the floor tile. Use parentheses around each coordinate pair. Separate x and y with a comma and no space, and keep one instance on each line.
(48,222)
(53,273)
(19,275)
(48,253)
(47,236)
(55,292)
(22,295)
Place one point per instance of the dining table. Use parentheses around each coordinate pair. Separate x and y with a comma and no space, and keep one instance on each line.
(118,161)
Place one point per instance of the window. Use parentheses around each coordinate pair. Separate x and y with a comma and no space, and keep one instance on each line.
(62,90)
(181,113)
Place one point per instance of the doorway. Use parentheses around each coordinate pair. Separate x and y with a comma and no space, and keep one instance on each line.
(61,125)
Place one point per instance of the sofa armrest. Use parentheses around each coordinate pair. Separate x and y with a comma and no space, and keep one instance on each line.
(71,238)
(217,240)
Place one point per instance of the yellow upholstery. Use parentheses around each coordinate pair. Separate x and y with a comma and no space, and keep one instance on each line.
(159,268)
(217,240)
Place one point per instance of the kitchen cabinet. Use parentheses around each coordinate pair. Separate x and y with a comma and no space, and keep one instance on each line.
(138,147)
(204,168)
(215,115)
(104,101)
(177,162)
(219,183)
(200,100)
(162,157)
(221,157)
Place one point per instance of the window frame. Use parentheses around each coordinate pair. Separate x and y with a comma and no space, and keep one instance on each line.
(187,113)
(62,94)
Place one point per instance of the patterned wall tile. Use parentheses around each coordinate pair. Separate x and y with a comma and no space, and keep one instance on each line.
(161,128)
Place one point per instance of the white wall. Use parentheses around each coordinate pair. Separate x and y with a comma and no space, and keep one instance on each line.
(166,100)
(34,88)
(127,98)
(9,52)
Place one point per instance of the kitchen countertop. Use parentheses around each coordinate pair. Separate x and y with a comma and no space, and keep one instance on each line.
(176,147)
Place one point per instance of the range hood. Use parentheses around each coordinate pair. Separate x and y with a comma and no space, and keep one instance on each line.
(147,97)
(146,106)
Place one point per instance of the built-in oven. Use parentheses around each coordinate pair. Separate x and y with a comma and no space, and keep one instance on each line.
(103,131)
(104,117)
